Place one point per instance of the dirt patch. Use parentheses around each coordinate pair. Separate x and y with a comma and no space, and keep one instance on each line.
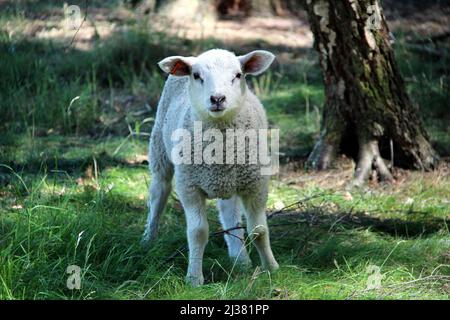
(275,31)
(288,32)
(338,178)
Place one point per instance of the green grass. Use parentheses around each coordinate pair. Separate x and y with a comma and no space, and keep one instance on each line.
(73,183)
(55,217)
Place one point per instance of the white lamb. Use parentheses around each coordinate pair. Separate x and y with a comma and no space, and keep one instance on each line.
(210,89)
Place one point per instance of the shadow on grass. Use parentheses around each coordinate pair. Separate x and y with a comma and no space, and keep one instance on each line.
(72,166)
(418,225)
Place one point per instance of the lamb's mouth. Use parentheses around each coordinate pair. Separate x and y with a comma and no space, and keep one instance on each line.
(216,112)
(216,108)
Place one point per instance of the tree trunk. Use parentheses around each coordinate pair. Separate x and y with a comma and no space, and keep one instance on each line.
(367,114)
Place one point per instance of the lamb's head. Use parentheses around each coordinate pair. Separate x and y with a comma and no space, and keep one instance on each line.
(217,78)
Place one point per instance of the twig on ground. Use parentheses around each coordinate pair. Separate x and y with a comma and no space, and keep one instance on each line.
(297,203)
(184,248)
(348,218)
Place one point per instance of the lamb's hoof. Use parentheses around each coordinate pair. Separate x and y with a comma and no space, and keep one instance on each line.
(146,240)
(271,267)
(194,281)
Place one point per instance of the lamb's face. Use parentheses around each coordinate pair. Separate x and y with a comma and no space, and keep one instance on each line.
(217,84)
(216,78)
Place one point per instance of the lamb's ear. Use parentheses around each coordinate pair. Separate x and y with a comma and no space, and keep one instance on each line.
(177,65)
(256,62)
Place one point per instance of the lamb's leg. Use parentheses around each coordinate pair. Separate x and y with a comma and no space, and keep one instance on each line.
(159,191)
(160,187)
(230,217)
(197,232)
(257,229)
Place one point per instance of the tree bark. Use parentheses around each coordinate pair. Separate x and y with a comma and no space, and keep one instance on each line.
(367,114)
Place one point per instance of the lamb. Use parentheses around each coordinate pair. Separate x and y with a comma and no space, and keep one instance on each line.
(210,90)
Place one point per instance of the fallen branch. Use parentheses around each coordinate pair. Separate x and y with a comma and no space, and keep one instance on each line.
(184,247)
(317,217)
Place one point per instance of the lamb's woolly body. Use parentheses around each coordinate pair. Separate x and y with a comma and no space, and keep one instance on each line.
(217,180)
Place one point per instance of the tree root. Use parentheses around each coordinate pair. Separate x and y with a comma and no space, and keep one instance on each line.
(369,159)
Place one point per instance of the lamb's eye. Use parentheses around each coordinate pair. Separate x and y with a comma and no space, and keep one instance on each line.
(196,76)
(238,75)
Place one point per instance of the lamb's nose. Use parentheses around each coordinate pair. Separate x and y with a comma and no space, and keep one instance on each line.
(217,100)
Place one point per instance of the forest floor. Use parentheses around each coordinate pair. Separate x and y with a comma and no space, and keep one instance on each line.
(74,177)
